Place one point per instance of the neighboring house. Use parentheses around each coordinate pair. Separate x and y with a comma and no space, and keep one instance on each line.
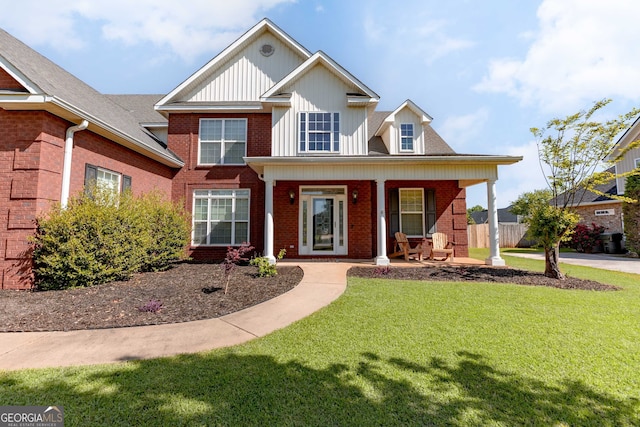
(631,159)
(598,209)
(267,143)
(504,216)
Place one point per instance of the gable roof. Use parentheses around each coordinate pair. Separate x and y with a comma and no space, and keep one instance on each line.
(141,107)
(409,104)
(220,59)
(52,88)
(434,144)
(589,197)
(504,216)
(322,58)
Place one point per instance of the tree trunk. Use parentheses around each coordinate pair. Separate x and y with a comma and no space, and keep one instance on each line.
(551,259)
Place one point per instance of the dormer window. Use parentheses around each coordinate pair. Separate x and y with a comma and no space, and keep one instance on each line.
(319,132)
(406,137)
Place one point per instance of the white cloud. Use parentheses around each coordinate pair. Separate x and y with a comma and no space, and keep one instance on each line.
(187,31)
(584,50)
(461,131)
(420,35)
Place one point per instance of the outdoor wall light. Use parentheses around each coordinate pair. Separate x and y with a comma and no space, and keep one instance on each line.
(292,196)
(354,196)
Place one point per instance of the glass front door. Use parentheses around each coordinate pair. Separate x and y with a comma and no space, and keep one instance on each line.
(323,221)
(322,232)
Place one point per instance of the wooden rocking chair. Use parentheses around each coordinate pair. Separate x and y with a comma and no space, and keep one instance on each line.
(441,246)
(403,248)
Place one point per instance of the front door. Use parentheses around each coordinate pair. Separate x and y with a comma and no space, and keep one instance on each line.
(323,221)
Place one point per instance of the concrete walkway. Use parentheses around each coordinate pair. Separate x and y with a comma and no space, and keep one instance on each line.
(598,260)
(322,283)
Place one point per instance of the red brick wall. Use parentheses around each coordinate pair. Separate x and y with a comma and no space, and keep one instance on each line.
(451,214)
(360,221)
(451,211)
(611,223)
(31,157)
(9,83)
(183,140)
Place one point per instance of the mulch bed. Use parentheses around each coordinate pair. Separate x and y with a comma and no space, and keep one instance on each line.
(188,291)
(192,291)
(478,274)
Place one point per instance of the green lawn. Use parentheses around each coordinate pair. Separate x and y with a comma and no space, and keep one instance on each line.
(388,353)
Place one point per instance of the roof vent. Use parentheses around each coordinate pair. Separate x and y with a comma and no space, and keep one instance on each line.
(266,50)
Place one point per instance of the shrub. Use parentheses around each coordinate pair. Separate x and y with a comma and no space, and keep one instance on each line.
(584,239)
(265,268)
(100,238)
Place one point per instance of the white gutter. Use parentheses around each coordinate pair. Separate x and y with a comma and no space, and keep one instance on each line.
(68,157)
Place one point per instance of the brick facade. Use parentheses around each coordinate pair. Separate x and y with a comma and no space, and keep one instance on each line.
(31,157)
(611,223)
(183,140)
(451,211)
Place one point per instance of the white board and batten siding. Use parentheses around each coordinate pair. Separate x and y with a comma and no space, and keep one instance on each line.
(319,90)
(405,116)
(248,74)
(627,164)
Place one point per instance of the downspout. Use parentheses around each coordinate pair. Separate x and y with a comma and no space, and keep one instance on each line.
(68,157)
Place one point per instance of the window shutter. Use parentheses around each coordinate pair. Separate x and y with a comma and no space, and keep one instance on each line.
(303,131)
(126,183)
(90,177)
(430,211)
(394,211)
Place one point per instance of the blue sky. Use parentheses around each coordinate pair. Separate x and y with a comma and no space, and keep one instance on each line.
(486,71)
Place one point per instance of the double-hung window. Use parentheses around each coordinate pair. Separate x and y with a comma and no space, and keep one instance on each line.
(105,179)
(319,132)
(220,217)
(222,141)
(412,211)
(406,137)
(637,163)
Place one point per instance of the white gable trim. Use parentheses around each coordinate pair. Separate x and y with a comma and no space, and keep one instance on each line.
(231,50)
(320,58)
(390,119)
(630,135)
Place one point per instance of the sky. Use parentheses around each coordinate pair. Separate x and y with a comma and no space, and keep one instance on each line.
(486,71)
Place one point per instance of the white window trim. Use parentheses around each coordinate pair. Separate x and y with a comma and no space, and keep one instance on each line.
(637,163)
(222,148)
(401,212)
(118,187)
(413,138)
(332,133)
(209,197)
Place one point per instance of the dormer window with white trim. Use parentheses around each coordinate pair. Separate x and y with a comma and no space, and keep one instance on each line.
(406,137)
(222,141)
(319,132)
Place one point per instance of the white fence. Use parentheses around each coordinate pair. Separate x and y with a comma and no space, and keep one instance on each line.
(511,235)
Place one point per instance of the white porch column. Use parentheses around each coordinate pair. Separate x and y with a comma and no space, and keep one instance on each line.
(494,236)
(268,220)
(382,258)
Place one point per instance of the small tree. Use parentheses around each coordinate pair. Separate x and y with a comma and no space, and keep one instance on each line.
(528,202)
(570,151)
(631,212)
